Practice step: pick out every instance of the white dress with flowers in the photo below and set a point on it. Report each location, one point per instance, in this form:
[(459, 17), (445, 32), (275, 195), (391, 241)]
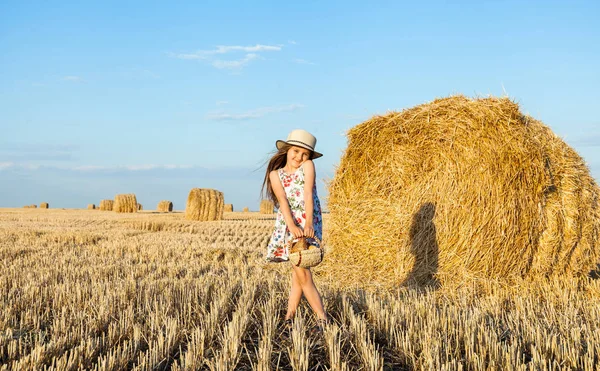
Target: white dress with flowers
[(277, 250)]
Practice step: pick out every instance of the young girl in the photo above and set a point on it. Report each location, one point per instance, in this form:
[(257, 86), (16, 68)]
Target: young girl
[(290, 184)]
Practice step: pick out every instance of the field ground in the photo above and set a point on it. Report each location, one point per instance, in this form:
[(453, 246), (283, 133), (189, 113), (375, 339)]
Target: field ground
[(87, 289)]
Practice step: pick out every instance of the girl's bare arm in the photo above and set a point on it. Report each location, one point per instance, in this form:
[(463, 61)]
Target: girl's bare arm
[(309, 182)]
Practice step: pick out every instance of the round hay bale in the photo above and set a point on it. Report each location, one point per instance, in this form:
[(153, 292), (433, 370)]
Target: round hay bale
[(44, 205), (91, 207), (228, 208), (245, 209), (125, 203), (267, 207), (459, 188), (204, 205), (106, 205), (164, 206)]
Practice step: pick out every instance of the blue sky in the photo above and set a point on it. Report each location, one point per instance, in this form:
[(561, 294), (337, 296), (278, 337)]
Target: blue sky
[(156, 98)]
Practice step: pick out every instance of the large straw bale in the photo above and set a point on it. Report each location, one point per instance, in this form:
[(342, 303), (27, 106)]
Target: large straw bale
[(459, 188), (164, 206), (267, 207), (106, 205), (204, 205), (91, 207), (44, 205), (125, 203), (228, 208)]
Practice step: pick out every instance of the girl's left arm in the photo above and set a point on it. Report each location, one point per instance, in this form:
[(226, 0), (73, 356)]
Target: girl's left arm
[(309, 182)]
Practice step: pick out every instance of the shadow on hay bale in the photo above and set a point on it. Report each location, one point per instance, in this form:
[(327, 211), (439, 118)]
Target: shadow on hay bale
[(507, 198)]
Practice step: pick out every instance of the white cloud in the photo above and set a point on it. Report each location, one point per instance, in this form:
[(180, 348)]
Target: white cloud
[(210, 55), (234, 64), (292, 42), (252, 114), (303, 61), (6, 165)]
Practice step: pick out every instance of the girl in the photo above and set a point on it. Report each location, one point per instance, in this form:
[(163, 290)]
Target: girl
[(290, 184)]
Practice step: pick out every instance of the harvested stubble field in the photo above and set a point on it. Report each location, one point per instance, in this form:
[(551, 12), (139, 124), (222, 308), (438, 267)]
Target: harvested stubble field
[(105, 291)]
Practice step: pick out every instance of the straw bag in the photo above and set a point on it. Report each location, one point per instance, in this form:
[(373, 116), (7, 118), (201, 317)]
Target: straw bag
[(303, 254)]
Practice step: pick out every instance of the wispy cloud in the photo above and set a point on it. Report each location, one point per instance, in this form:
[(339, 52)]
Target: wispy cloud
[(252, 114), (222, 102), (235, 64), (24, 152), (292, 42), (6, 165), (303, 61), (128, 167), (251, 53), (73, 78)]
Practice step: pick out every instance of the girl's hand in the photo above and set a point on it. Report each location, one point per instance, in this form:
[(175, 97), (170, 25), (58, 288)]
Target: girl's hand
[(296, 231), (309, 231)]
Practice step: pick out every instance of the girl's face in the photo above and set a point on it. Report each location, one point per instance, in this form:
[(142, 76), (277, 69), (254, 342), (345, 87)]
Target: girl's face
[(297, 155)]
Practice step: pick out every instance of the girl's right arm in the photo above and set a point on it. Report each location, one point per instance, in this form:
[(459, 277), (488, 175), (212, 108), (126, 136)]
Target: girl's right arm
[(284, 205)]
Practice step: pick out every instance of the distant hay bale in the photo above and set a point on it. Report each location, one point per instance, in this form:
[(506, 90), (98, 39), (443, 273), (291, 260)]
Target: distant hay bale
[(204, 205), (267, 207), (125, 203), (91, 207), (245, 209), (459, 188), (164, 207), (106, 205), (228, 208), (44, 205), (140, 207)]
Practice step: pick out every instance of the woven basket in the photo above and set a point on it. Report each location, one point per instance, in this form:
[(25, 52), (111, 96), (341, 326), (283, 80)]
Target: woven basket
[(304, 255)]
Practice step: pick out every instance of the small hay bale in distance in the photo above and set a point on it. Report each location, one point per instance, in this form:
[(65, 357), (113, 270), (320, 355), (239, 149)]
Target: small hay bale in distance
[(267, 207), (204, 205), (228, 208), (106, 205), (91, 207), (140, 207), (459, 188), (125, 203), (44, 205), (164, 206)]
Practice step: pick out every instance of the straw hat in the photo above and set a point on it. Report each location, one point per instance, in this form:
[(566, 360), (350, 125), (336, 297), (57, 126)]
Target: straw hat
[(300, 138)]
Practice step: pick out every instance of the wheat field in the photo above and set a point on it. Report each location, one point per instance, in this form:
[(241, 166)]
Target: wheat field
[(97, 290)]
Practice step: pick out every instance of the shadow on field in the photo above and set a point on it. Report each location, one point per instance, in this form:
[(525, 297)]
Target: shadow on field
[(424, 247)]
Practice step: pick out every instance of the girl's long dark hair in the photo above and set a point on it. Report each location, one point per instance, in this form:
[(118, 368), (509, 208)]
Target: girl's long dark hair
[(276, 162)]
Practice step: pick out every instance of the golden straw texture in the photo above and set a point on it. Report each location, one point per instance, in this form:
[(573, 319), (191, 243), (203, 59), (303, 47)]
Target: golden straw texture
[(106, 205), (164, 206), (267, 207), (459, 187), (228, 208), (204, 205), (125, 203), (91, 207)]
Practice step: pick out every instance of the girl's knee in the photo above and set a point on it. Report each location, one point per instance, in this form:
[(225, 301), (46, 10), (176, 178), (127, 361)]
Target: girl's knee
[(304, 276)]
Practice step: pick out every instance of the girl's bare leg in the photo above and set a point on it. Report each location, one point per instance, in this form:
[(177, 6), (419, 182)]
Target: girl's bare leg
[(295, 296), (310, 291)]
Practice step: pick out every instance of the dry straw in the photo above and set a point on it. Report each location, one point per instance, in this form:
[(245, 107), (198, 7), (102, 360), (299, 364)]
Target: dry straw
[(91, 207), (164, 206), (228, 208), (245, 209), (125, 203), (106, 205), (459, 187), (267, 207), (44, 205), (204, 205)]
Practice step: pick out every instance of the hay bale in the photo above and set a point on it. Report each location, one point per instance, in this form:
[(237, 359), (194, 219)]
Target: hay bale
[(228, 208), (91, 207), (140, 207), (245, 209), (267, 207), (204, 205), (106, 205), (44, 205), (164, 206), (459, 187), (125, 203)]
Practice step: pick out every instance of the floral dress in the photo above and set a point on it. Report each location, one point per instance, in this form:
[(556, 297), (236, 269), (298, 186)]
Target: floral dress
[(277, 250)]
